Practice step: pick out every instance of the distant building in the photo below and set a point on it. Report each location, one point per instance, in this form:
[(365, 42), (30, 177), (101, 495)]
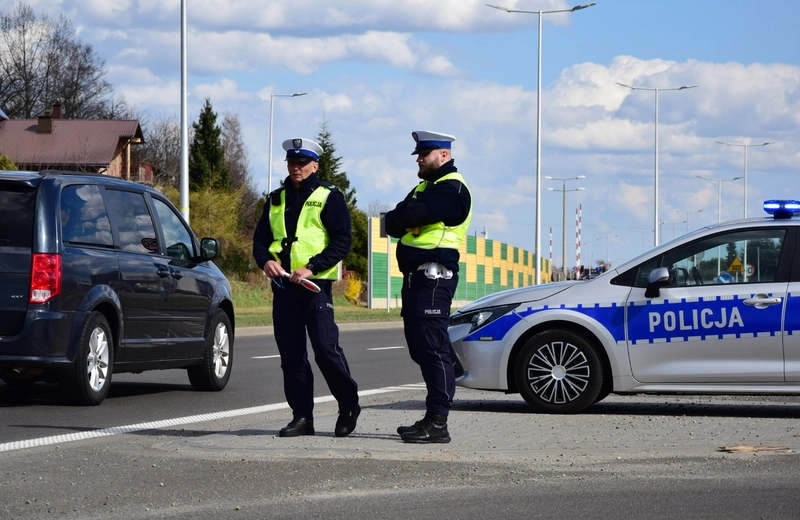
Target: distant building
[(53, 143)]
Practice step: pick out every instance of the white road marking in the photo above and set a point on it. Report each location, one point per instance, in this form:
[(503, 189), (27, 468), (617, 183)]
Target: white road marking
[(384, 348), (267, 357), (105, 432)]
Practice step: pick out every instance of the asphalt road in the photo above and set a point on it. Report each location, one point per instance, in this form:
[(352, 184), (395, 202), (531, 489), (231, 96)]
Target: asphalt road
[(377, 358), (643, 457)]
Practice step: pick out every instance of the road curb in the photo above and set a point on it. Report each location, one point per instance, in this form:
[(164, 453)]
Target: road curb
[(366, 325)]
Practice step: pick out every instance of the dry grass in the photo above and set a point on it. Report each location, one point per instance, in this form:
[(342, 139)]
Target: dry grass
[(253, 302)]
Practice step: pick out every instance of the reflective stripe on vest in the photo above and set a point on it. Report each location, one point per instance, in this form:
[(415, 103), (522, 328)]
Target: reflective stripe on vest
[(436, 235), (311, 235)]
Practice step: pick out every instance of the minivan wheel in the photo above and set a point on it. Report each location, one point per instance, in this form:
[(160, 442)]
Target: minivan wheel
[(215, 370), (89, 379), (559, 372)]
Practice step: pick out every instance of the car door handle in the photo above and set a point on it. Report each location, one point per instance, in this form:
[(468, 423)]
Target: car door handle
[(762, 301), (163, 272), (177, 274)]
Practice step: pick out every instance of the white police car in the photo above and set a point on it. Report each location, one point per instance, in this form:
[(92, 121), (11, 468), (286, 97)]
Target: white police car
[(716, 311)]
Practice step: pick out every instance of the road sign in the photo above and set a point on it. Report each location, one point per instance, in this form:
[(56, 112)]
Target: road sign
[(748, 272), (736, 266)]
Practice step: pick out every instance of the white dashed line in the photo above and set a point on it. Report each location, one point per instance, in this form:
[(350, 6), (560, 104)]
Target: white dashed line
[(132, 428)]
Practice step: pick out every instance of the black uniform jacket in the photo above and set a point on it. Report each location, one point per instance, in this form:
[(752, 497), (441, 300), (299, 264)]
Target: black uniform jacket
[(335, 217), (448, 202)]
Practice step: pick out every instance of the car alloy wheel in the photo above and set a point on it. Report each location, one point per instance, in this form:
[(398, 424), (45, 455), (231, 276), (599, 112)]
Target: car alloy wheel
[(89, 379), (213, 373), (221, 350), (558, 372)]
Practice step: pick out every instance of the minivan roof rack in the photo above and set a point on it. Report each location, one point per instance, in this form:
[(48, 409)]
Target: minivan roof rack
[(45, 173)]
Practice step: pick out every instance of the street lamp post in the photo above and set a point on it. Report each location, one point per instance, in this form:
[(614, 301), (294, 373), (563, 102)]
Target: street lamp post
[(642, 231), (564, 191), (655, 202), (687, 216), (271, 111), (538, 233), (719, 192), (608, 257), (745, 146)]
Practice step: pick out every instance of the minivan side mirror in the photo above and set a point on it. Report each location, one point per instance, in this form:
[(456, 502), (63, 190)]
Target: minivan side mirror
[(659, 277), (209, 248)]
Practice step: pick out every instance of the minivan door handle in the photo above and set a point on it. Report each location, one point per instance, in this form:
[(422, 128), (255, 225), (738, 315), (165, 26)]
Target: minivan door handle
[(762, 301), (177, 274), (163, 272)]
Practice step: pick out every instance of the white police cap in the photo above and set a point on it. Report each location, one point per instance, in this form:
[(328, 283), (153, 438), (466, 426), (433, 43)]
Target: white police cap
[(300, 149), (427, 141)]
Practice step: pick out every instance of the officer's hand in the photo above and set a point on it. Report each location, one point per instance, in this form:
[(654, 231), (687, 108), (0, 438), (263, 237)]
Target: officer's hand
[(300, 274), (273, 269)]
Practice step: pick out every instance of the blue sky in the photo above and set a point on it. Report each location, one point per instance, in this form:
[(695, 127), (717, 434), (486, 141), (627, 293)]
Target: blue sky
[(377, 70)]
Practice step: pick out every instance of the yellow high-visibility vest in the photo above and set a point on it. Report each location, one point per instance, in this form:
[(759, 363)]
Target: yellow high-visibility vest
[(311, 235), (436, 235)]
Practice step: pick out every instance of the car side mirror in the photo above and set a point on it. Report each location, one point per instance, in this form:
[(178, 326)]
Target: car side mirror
[(659, 277), (209, 248)]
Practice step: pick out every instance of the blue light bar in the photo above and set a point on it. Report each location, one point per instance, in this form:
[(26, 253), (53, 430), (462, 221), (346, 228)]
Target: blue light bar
[(781, 209)]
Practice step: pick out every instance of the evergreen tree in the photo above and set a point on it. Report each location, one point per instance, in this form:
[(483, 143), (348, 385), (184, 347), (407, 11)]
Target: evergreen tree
[(207, 166), (329, 164)]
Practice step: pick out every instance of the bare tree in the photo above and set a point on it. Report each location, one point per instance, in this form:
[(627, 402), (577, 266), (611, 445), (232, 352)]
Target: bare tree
[(162, 150), (375, 208), (42, 62), (238, 163)]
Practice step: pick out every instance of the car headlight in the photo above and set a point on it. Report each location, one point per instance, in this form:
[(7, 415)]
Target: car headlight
[(482, 317)]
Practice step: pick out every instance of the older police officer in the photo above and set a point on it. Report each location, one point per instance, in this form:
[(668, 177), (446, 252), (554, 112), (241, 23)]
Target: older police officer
[(305, 231), (431, 224)]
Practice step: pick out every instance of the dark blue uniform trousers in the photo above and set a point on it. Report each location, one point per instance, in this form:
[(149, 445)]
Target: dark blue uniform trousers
[(426, 315), (296, 310)]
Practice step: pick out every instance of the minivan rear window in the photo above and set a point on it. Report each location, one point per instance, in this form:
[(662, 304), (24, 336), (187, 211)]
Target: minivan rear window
[(84, 219), (17, 205)]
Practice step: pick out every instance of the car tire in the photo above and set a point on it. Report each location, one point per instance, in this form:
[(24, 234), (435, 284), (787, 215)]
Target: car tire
[(215, 370), (88, 381), (558, 371)]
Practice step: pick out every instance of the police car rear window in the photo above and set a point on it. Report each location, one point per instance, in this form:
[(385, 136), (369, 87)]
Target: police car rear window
[(17, 205)]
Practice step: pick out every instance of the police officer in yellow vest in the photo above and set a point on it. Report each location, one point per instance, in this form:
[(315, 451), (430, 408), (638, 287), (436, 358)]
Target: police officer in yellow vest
[(431, 224), (305, 231)]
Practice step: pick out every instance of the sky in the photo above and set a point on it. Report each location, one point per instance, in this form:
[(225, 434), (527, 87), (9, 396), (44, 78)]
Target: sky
[(377, 70)]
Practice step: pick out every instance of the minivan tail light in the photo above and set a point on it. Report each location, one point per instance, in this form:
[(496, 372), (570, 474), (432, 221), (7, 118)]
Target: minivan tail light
[(45, 277)]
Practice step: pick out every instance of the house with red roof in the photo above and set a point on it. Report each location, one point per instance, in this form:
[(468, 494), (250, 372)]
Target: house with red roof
[(54, 143)]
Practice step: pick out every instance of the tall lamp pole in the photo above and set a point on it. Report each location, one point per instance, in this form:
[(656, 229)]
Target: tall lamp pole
[(655, 203), (608, 256), (564, 191), (745, 146), (271, 112), (687, 216), (719, 192), (538, 234), (184, 164)]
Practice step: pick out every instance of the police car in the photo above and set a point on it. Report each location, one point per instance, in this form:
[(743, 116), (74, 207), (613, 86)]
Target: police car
[(716, 311)]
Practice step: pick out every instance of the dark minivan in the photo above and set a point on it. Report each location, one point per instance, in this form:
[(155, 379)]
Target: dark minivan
[(100, 275)]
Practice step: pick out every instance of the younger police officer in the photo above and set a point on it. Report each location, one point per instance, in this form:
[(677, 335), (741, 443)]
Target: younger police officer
[(305, 230), (431, 223)]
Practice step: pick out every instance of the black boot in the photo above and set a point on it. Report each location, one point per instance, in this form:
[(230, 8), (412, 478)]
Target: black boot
[(346, 422), (299, 426), (432, 428)]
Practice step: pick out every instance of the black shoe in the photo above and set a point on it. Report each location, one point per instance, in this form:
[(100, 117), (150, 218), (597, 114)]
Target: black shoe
[(408, 429), (432, 428), (299, 426), (346, 422)]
